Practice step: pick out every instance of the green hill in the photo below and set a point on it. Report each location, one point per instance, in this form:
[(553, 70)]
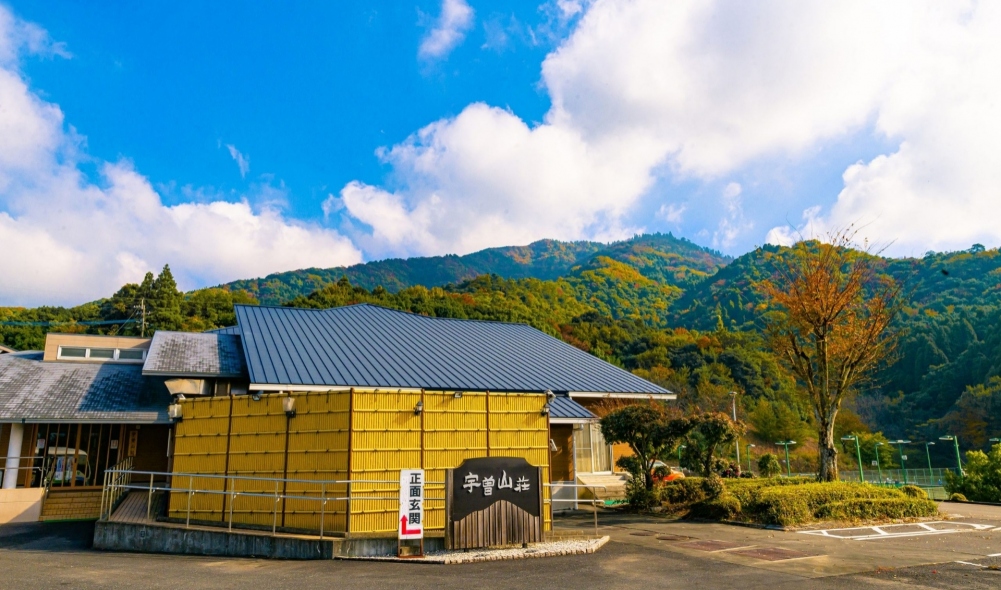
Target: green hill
[(678, 314), (660, 257)]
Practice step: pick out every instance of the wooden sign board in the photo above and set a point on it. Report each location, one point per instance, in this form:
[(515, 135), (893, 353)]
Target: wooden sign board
[(133, 443), (492, 502)]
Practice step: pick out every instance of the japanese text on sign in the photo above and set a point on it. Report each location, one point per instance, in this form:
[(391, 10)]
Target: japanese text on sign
[(487, 483), (411, 504)]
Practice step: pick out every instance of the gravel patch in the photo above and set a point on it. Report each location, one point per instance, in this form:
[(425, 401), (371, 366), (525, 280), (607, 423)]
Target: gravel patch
[(549, 549)]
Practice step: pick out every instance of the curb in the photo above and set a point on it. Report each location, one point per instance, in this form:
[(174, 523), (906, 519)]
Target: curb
[(457, 558)]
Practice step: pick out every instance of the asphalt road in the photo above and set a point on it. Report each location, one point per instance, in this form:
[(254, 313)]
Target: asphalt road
[(57, 556)]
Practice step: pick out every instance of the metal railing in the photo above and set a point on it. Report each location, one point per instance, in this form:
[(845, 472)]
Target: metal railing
[(115, 480), (21, 467), (575, 500), (122, 479), (119, 482)]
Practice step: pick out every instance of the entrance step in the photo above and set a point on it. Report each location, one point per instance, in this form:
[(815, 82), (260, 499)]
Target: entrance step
[(71, 504), (614, 485)]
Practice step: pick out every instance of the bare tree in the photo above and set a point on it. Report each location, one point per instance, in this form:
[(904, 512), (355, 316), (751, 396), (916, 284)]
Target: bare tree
[(832, 325)]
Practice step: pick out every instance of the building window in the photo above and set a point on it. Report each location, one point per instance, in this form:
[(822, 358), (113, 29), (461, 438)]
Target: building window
[(131, 354), (102, 353), (121, 355), (593, 454), (71, 455)]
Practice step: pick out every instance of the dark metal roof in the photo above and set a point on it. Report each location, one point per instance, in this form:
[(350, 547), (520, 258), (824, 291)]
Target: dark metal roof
[(562, 407), (367, 345), (37, 391), (233, 330), (195, 355)]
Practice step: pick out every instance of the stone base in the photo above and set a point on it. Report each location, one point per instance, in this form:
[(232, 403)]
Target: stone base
[(167, 538)]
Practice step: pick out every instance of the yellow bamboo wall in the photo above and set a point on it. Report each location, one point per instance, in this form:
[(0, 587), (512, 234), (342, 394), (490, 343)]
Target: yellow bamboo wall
[(200, 447), (383, 433), (317, 450)]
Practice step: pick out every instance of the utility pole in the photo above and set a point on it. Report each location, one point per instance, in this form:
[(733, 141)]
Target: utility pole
[(142, 306)]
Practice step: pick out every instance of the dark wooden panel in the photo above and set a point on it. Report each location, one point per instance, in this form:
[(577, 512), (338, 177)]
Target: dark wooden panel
[(501, 523)]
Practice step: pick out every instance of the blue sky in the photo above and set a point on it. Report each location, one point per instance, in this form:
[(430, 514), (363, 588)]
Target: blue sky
[(232, 140), (308, 91)]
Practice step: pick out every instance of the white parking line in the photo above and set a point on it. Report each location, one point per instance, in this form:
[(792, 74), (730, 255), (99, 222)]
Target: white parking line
[(887, 531), (994, 555), (973, 564)]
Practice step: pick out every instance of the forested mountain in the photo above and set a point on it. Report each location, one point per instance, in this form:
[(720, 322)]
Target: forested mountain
[(659, 257), (677, 314)]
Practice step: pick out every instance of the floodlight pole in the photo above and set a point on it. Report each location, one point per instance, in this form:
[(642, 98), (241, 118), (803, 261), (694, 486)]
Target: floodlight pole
[(928, 455), (878, 468), (858, 453), (679, 454), (733, 396), (786, 445), (748, 453), (955, 442), (903, 463)]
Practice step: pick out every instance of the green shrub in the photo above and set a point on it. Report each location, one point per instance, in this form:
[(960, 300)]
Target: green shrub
[(914, 492), (723, 507), (713, 486), (638, 497), (768, 465), (981, 481), (877, 508), (794, 504), (957, 497), (784, 510), (683, 491)]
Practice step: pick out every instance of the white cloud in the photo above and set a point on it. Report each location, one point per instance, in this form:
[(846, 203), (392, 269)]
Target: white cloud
[(66, 240), (693, 91), (242, 161), (671, 212), (449, 30), (939, 190), (733, 222), (486, 178)]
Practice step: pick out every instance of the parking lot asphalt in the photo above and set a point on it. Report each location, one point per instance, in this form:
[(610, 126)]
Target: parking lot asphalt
[(688, 555)]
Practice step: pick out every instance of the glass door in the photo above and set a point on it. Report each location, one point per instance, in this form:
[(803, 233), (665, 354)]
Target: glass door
[(601, 453)]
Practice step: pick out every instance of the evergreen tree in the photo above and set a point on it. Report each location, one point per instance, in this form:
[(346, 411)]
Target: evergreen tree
[(166, 302)]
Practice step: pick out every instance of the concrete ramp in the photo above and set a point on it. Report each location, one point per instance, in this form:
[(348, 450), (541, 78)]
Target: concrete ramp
[(21, 505)]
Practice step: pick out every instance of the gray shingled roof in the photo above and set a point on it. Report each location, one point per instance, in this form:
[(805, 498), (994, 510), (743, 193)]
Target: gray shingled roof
[(371, 346), (195, 355), (38, 391), (563, 407)]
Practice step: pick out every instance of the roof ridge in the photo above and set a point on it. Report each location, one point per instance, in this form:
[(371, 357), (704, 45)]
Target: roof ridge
[(385, 308)]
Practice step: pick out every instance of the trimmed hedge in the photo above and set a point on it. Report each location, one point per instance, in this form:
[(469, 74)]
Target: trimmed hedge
[(793, 501), (877, 508), (723, 507)]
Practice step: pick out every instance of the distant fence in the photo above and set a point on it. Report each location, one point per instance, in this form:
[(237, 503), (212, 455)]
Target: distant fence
[(918, 477)]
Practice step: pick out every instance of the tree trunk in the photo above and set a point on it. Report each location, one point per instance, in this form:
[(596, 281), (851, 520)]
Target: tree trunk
[(828, 451)]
